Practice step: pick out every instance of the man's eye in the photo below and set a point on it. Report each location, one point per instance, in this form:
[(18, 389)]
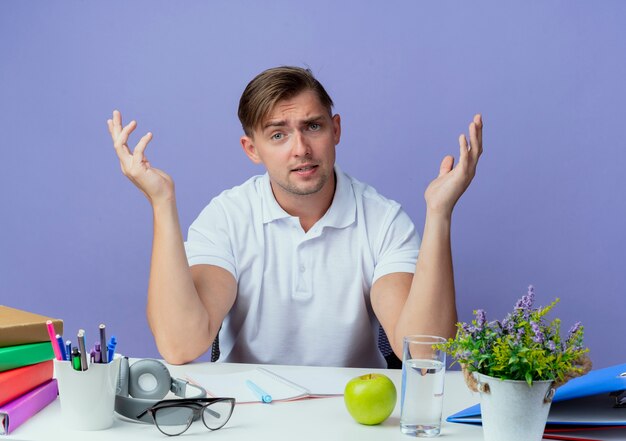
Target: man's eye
[(314, 127), (277, 136)]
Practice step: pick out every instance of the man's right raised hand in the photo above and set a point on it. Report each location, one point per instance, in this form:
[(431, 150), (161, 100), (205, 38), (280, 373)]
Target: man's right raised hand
[(154, 183)]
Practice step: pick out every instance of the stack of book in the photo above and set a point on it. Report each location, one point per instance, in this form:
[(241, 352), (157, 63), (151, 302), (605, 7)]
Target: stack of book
[(26, 367)]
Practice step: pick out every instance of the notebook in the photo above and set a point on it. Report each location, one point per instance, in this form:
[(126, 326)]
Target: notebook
[(19, 327), (16, 382), (18, 411), (283, 383), (586, 433), (12, 357)]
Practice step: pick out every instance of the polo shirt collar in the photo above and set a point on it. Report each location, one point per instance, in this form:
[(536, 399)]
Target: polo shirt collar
[(271, 210), (342, 211), (340, 214)]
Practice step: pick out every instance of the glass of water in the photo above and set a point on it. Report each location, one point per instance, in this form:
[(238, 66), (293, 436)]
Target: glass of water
[(423, 371)]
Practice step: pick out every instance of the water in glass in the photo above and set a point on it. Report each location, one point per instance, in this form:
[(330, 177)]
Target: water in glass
[(422, 397)]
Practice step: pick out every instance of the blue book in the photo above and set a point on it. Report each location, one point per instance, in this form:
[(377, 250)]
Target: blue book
[(584, 401)]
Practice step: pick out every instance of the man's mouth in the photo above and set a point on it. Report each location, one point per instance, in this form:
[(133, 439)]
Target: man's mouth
[(304, 169)]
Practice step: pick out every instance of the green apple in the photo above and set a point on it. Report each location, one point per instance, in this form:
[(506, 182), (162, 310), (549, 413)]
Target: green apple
[(370, 398)]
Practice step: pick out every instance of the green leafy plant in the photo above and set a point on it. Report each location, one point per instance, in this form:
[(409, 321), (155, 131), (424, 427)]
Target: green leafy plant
[(523, 346)]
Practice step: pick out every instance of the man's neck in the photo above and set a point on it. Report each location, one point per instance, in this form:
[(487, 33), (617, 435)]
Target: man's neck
[(308, 208)]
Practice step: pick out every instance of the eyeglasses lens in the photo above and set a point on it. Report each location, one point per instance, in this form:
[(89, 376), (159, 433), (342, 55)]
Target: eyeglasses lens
[(173, 420), (217, 414)]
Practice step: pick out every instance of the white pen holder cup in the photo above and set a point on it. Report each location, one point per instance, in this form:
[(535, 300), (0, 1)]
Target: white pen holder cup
[(87, 397)]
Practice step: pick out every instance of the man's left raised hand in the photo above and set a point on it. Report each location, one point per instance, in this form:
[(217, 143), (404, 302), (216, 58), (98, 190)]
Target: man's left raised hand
[(444, 191)]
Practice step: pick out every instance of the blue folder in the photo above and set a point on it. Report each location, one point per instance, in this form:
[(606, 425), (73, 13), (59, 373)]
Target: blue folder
[(582, 401)]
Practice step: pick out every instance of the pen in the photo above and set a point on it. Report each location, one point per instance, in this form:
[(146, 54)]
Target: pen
[(76, 359), (61, 347), (263, 396), (97, 353), (111, 349), (53, 340), (81, 348), (103, 342), (68, 350)]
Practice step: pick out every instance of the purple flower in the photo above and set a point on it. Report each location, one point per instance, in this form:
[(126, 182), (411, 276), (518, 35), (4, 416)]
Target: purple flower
[(508, 324), (573, 334), (538, 337), (468, 329), (480, 319), (573, 330), (526, 302), (496, 326), (524, 331)]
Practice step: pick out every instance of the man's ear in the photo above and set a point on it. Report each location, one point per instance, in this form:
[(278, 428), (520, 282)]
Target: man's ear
[(336, 128), (247, 143)]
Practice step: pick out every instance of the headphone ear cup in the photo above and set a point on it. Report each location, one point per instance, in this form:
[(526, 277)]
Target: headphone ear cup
[(122, 382), (142, 376)]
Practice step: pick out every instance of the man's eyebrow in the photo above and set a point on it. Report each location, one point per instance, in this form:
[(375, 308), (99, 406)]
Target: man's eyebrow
[(313, 119), (283, 123), (275, 123)]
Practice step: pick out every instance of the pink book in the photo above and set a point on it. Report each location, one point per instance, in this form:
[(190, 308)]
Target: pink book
[(14, 413)]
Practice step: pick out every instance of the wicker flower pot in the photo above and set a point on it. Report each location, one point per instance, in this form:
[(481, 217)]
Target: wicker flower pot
[(512, 410)]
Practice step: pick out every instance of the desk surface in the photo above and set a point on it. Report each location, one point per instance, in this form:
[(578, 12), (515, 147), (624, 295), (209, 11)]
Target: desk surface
[(311, 419)]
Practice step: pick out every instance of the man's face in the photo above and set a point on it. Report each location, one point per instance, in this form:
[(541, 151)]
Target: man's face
[(296, 143)]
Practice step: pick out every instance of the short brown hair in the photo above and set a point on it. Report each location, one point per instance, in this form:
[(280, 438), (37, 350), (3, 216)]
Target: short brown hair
[(270, 87)]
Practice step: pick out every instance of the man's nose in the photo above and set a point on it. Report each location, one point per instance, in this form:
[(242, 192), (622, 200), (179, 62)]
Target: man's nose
[(301, 146)]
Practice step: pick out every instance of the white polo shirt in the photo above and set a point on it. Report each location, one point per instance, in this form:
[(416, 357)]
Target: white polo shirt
[(303, 298)]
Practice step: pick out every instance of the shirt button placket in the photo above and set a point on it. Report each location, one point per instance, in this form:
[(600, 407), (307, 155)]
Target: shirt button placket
[(302, 288)]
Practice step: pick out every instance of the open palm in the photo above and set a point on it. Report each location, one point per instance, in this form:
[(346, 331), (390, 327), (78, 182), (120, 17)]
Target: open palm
[(444, 191), (154, 183)]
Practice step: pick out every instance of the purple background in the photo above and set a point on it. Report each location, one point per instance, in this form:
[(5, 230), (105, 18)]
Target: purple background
[(547, 206)]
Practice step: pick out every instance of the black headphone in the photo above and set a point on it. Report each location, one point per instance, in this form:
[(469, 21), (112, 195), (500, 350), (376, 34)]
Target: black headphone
[(134, 396)]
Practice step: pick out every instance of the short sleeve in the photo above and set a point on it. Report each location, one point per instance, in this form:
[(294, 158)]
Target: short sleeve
[(208, 239), (398, 244)]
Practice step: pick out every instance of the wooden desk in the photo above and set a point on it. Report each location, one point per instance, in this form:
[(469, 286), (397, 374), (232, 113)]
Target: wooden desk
[(321, 419)]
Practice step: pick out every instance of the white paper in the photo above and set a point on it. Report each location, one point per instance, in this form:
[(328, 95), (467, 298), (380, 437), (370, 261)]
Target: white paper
[(318, 381), (234, 385), (281, 382)]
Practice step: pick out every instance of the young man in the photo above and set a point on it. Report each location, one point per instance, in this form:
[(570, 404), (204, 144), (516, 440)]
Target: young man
[(300, 265)]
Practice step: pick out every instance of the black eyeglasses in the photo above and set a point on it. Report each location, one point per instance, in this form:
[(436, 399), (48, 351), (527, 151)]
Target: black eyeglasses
[(173, 417)]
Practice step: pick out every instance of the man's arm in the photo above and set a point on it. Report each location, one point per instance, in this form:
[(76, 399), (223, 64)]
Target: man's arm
[(185, 306), (424, 303)]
